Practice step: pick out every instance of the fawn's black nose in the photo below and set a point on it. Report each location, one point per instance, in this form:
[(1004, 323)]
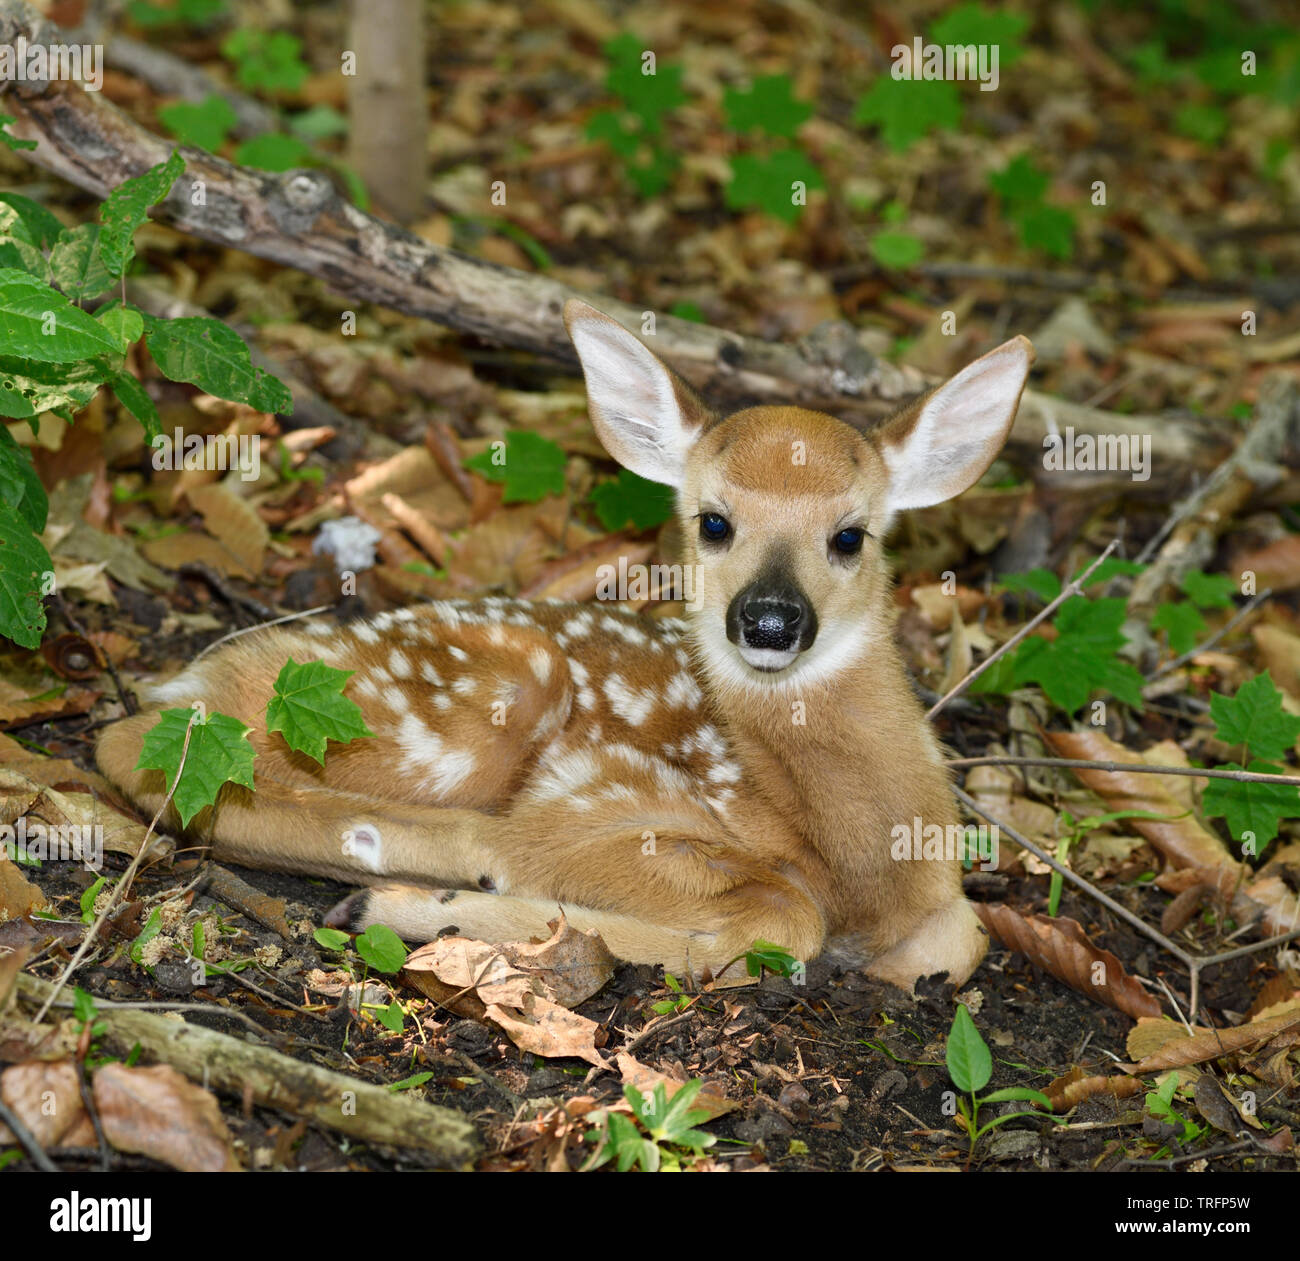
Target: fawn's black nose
[(772, 615)]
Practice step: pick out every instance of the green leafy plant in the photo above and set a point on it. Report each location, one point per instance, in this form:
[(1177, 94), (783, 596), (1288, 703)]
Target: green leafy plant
[(660, 1134), (176, 13), (55, 357), (308, 708), (1021, 186), (905, 110), (1255, 721), (219, 752), (1160, 1104), (88, 898), (766, 954), (529, 466), (680, 1000), (631, 500), (382, 949), (970, 1065), (777, 178), (266, 61), (1182, 622), (633, 129)]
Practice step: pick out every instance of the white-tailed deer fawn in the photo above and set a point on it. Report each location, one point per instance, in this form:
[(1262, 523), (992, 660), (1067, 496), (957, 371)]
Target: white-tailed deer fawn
[(683, 787)]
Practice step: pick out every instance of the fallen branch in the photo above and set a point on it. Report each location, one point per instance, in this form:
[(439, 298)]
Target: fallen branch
[(1189, 538), (272, 1080), (298, 219)]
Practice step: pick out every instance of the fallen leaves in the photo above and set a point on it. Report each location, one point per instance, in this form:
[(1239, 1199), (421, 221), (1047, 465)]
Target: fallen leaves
[(1061, 947), (526, 988)]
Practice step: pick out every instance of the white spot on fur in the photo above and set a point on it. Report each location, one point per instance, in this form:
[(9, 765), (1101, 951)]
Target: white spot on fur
[(682, 690), (399, 664), (396, 700), (429, 674), (366, 634), (464, 686), (540, 661), (459, 653), (631, 705)]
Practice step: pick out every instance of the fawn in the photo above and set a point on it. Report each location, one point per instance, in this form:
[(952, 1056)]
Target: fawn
[(684, 787)]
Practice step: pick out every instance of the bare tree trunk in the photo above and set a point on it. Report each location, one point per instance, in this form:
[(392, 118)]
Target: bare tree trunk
[(388, 144)]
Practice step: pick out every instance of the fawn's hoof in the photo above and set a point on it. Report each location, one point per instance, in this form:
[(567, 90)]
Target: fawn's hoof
[(350, 914)]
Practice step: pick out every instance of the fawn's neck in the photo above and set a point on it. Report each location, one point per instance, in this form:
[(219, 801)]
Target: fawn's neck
[(845, 760)]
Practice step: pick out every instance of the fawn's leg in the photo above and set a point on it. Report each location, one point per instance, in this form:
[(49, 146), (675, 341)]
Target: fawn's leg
[(314, 831), (417, 914)]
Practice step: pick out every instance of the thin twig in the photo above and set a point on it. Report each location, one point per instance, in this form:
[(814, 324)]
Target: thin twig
[(122, 885), (1135, 921), (1071, 589), (26, 1139), (1139, 768), (248, 630), (1229, 625)]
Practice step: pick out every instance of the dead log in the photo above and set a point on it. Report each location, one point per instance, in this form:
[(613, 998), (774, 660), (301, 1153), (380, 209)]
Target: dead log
[(298, 218)]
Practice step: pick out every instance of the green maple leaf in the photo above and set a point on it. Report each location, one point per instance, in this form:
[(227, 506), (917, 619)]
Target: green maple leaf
[(1042, 582), (896, 250), (203, 124), (1255, 718), (768, 182), (219, 752), (1048, 228), (907, 109), (308, 708), (974, 24), (1081, 658), (531, 467), (648, 96), (1020, 182), (1208, 591), (632, 500), (1183, 623), (1252, 811), (1111, 567), (769, 106)]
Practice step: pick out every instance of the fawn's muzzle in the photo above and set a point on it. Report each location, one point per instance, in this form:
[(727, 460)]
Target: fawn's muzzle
[(771, 621)]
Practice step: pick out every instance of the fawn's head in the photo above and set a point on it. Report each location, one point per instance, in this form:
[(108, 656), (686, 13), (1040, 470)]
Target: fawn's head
[(784, 509)]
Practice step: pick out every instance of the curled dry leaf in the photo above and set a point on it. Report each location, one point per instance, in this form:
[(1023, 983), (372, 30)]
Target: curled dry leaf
[(1061, 947), (1185, 842), (18, 896), (465, 975), (1181, 1048), (156, 1112), (1077, 1085)]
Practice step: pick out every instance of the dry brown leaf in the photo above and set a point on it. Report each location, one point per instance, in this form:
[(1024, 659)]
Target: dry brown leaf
[(174, 550), (18, 896), (156, 1112), (547, 1029), (959, 656), (1209, 1044), (233, 522), (46, 1098), (1077, 1085), (17, 707), (1280, 651), (11, 964), (645, 1079), (1277, 565), (1061, 947), (567, 968), (1183, 841)]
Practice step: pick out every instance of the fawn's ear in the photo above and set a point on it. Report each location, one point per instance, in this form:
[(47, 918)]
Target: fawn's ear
[(645, 414), (942, 444)]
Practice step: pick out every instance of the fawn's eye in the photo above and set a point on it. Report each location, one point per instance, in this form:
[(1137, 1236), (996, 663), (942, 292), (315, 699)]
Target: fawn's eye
[(714, 527), (848, 542)]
